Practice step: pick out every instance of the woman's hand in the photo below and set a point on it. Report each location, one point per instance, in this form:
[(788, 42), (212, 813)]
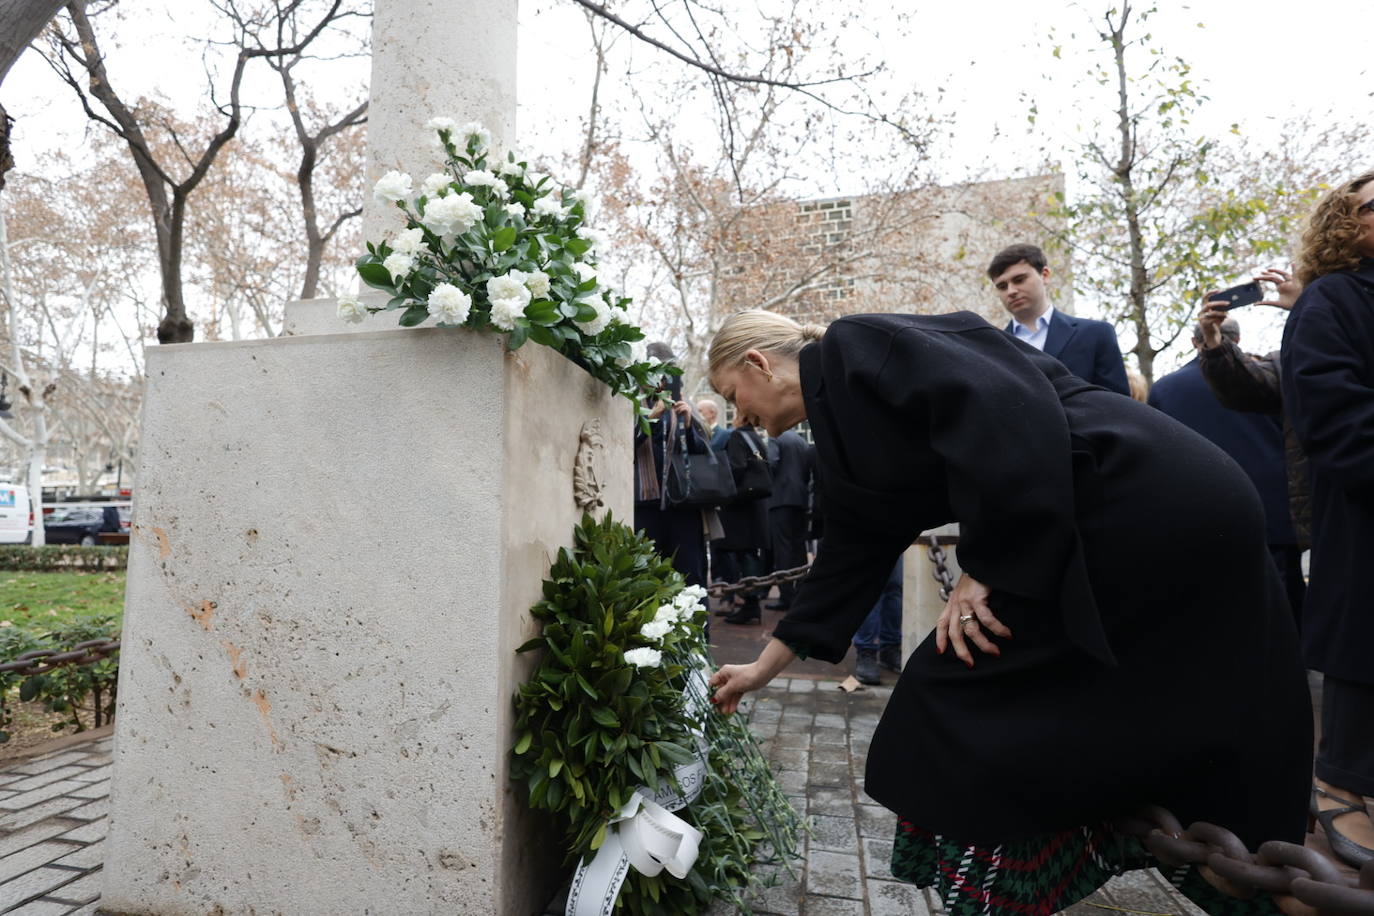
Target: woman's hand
[(683, 410), (1289, 287), (965, 617), (656, 411), (732, 682)]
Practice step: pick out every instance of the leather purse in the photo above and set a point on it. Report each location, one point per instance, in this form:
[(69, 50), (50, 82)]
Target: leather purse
[(755, 481), (702, 480)]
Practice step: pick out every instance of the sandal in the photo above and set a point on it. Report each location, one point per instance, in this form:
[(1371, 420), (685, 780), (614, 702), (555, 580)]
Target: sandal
[(1314, 812), (1346, 849)]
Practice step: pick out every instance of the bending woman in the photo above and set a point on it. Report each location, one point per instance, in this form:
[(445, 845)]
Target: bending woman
[(1119, 637)]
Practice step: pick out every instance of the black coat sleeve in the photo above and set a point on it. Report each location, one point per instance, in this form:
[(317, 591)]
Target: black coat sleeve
[(1108, 367), (1242, 382), (1328, 364), (988, 440)]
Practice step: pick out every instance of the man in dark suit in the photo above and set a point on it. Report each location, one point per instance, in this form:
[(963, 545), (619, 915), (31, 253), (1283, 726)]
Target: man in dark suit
[(1088, 348), (1254, 441), (787, 507)]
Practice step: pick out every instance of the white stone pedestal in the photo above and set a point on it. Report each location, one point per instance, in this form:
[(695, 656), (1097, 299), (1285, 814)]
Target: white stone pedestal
[(921, 601), (338, 538)]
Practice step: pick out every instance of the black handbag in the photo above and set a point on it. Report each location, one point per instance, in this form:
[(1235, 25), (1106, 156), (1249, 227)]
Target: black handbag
[(693, 479), (755, 481)]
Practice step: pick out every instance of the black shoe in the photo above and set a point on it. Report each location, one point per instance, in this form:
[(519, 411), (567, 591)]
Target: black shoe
[(866, 666), (890, 657), (746, 614)]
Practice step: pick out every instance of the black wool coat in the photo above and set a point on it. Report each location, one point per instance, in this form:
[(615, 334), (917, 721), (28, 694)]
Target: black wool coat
[(1328, 392), (745, 521), (1154, 657)]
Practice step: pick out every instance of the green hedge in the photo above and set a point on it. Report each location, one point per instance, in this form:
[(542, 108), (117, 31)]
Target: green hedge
[(81, 694), (62, 557)]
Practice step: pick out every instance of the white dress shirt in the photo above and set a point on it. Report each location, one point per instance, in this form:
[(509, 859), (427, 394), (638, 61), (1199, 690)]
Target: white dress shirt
[(1035, 338)]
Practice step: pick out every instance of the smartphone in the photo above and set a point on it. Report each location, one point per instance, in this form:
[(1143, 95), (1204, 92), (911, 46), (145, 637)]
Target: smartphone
[(1237, 296)]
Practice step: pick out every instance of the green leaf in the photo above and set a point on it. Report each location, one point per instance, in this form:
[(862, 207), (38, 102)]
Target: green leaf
[(524, 743), (603, 716), (503, 238), (578, 247), (375, 275), (516, 339), (555, 768), (414, 315)]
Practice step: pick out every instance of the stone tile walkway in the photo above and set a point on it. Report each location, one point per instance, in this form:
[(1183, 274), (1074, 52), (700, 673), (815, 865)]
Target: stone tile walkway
[(53, 812), (817, 737), (53, 820)]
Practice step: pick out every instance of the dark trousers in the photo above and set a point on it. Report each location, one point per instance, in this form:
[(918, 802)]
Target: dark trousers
[(1288, 558), (750, 563), (883, 625), (787, 526), (677, 534), (1345, 757)]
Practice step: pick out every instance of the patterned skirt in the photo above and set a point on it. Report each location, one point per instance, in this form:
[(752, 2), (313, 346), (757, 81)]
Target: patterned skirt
[(1044, 874)]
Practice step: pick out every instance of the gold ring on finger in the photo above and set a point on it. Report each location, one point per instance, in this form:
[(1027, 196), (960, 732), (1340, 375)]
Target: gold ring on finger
[(965, 618)]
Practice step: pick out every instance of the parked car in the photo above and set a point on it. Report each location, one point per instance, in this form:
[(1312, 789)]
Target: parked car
[(16, 514), (81, 525)]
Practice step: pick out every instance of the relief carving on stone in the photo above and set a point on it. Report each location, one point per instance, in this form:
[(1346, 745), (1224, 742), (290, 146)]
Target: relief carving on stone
[(586, 482)]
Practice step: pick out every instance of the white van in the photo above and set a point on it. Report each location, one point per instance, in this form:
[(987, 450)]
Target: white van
[(16, 514)]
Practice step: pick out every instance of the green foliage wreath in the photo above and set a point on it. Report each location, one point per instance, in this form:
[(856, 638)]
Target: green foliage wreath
[(604, 715)]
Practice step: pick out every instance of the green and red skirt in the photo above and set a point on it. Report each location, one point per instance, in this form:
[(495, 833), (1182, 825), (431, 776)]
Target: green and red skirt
[(1044, 874)]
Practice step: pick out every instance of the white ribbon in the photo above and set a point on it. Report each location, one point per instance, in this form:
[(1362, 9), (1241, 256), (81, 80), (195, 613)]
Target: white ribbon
[(645, 833)]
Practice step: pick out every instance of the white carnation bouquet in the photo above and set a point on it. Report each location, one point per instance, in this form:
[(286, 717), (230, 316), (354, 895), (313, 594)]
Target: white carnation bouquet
[(503, 249)]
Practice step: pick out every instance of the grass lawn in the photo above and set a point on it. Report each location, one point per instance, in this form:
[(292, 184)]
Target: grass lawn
[(41, 601)]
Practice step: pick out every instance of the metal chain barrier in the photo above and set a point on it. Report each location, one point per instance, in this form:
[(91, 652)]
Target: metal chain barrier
[(752, 582), (1302, 881), (41, 661), (941, 572)]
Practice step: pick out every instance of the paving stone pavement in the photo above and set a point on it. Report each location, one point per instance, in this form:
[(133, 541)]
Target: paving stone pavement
[(53, 820), (53, 811)]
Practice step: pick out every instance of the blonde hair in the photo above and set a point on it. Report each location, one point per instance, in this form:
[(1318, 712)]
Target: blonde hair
[(756, 329), (1328, 242)]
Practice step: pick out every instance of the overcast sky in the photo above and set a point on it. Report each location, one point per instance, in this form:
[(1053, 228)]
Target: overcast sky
[(1259, 71)]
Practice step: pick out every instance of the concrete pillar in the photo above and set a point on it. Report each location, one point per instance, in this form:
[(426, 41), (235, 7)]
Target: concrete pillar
[(337, 540), (454, 58), (921, 601)]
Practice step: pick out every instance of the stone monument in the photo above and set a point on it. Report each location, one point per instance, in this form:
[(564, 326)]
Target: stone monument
[(337, 540)]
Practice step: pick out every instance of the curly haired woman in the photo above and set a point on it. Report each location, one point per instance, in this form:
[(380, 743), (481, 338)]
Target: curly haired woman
[(1328, 390)]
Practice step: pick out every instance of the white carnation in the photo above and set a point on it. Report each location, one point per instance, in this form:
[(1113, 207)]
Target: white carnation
[(441, 123), (481, 178), (511, 170), (690, 598), (596, 237), (537, 283), (548, 206), (515, 209), (451, 215), (392, 186), (351, 310), (474, 129), (644, 658), (583, 197), (410, 241), (585, 271), (638, 354), (597, 324), (435, 185), (666, 612), (449, 304), (656, 629), (505, 311), (509, 286), (398, 264)]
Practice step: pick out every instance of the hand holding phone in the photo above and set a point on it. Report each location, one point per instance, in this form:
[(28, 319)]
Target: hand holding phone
[(1235, 297)]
